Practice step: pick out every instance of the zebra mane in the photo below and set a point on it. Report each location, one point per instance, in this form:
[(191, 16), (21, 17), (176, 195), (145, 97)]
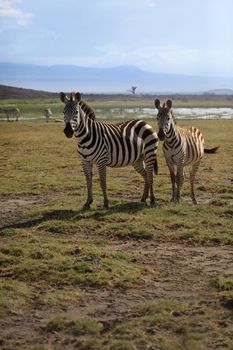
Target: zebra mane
[(173, 117), (89, 112), (87, 109)]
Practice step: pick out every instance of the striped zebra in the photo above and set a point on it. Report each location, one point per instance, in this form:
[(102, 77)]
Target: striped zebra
[(116, 145), (9, 111), (182, 146)]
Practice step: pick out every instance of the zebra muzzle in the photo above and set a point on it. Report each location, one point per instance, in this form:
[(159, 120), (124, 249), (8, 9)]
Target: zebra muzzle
[(161, 134), (68, 131)]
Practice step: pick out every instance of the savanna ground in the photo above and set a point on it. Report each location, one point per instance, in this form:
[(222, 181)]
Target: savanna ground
[(128, 278)]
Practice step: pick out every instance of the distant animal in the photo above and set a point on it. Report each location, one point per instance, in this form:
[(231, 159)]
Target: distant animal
[(116, 145), (10, 111), (47, 113), (182, 146)]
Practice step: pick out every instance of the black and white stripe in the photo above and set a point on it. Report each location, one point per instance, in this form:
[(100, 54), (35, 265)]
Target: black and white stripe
[(181, 147), (116, 145)]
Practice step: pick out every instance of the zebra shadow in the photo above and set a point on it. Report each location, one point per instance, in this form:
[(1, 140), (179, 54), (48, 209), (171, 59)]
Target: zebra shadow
[(129, 207), (76, 215), (63, 214)]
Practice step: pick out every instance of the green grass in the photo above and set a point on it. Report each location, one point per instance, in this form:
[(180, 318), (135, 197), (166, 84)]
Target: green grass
[(223, 283), (35, 108), (59, 253), (78, 327)]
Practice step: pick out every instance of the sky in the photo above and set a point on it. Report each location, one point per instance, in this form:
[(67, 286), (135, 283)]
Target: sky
[(192, 37)]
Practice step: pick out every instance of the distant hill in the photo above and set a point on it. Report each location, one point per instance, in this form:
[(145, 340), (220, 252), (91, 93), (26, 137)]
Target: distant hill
[(10, 92), (109, 80), (220, 92)]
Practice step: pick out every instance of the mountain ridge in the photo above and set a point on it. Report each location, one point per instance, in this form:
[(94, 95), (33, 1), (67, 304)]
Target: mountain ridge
[(116, 79)]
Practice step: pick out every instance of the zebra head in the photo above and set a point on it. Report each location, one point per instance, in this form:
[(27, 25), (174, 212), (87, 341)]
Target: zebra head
[(71, 112), (164, 118)]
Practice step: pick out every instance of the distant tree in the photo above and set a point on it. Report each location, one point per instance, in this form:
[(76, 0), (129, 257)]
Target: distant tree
[(133, 89)]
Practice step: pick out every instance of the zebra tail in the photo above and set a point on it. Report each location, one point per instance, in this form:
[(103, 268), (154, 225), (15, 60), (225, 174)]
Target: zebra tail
[(156, 168), (211, 150)]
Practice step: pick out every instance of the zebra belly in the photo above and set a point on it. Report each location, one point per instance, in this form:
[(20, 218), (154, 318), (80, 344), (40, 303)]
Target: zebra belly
[(123, 153), (121, 164)]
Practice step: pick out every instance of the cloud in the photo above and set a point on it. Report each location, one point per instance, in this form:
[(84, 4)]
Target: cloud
[(10, 15), (152, 3)]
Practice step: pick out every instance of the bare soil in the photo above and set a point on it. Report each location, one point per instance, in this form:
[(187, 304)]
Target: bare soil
[(183, 273)]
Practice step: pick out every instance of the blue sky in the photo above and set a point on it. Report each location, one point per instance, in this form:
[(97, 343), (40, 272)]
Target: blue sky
[(177, 36)]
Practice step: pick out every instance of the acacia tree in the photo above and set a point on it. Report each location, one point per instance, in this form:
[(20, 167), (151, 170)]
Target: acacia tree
[(133, 89)]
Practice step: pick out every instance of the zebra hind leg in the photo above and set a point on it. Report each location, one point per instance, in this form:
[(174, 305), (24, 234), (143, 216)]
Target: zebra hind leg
[(193, 172), (139, 167), (179, 181), (151, 187)]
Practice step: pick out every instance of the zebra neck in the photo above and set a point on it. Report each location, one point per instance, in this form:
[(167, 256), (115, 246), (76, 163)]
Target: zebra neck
[(172, 135), (84, 129)]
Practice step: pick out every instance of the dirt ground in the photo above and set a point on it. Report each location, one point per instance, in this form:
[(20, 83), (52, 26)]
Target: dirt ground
[(184, 273)]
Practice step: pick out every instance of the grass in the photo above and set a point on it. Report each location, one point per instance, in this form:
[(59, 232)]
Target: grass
[(168, 324), (223, 283), (60, 254)]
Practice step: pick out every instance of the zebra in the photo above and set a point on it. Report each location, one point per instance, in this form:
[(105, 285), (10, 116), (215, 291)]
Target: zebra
[(182, 146), (10, 110), (116, 145), (47, 113)]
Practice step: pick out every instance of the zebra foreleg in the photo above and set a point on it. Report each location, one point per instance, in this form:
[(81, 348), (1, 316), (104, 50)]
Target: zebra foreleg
[(17, 117), (193, 172), (173, 181), (150, 183), (102, 176), (87, 168)]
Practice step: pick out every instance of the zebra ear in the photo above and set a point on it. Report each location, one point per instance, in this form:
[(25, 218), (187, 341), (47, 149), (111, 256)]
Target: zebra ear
[(63, 97), (78, 97), (157, 103), (169, 103)]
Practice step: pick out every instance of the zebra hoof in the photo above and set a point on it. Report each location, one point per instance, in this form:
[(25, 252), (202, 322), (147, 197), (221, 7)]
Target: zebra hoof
[(106, 206), (86, 206), (177, 200), (194, 201), (153, 202)]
